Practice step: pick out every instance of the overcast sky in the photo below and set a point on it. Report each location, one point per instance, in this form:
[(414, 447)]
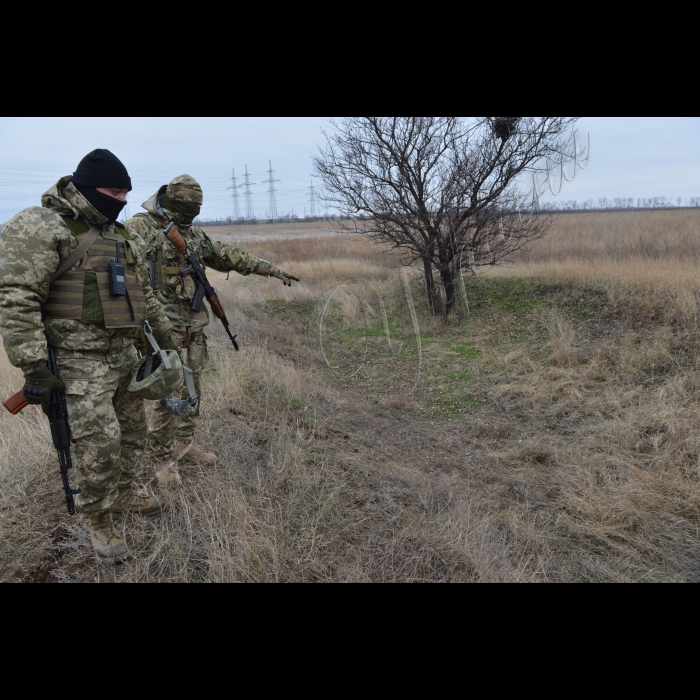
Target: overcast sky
[(631, 156)]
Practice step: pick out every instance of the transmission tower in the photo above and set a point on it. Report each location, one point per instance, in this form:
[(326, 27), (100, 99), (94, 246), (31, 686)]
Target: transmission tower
[(272, 192), (312, 200), (236, 196), (250, 214)]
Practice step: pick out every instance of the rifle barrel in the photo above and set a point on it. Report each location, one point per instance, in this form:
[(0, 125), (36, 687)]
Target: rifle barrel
[(196, 269), (60, 432), (224, 321)]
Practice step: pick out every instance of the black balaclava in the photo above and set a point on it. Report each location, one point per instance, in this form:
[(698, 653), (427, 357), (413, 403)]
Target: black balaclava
[(101, 168), (108, 206)]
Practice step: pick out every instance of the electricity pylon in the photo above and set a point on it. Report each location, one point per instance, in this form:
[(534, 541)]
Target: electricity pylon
[(312, 200), (250, 214), (272, 192), (236, 196)]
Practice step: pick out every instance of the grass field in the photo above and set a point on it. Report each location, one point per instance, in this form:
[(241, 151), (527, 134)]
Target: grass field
[(549, 433)]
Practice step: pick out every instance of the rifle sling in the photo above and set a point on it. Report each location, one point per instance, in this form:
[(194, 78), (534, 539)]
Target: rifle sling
[(189, 381), (75, 257), (148, 331)]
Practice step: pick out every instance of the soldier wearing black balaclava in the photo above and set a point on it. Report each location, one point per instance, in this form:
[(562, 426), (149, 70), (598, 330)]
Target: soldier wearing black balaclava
[(49, 299)]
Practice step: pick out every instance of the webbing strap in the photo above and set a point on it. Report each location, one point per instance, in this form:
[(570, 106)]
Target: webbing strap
[(189, 380), (131, 307), (163, 355), (77, 254)]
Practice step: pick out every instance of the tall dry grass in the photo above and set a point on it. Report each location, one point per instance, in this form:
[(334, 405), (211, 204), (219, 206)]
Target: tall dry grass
[(288, 231), (647, 263), (610, 444), (619, 236), (321, 262), (613, 402)]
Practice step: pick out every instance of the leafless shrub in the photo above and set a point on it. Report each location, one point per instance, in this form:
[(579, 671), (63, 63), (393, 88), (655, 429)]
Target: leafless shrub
[(443, 191)]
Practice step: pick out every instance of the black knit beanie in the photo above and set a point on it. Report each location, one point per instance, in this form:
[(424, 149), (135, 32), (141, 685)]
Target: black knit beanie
[(101, 169)]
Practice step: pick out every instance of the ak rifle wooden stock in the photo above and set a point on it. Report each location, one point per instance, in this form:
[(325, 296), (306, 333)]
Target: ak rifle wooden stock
[(16, 404)]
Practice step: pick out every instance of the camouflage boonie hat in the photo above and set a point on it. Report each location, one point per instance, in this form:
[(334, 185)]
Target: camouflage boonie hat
[(185, 188), (160, 382)]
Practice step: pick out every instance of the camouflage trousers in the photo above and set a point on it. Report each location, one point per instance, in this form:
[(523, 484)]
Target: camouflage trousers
[(108, 426), (168, 429)]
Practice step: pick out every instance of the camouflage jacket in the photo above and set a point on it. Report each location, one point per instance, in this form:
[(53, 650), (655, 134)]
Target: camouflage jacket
[(174, 292), (32, 247)]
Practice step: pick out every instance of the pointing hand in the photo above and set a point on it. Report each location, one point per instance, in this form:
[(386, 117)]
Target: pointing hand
[(286, 278)]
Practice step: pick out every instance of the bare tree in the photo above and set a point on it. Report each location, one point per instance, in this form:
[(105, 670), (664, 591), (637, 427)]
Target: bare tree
[(449, 192)]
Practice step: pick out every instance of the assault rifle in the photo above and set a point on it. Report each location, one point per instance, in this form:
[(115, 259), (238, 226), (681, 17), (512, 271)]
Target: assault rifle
[(203, 288), (60, 430)]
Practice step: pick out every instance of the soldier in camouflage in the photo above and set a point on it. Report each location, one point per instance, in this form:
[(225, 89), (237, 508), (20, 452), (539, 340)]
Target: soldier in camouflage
[(172, 438), (92, 333)]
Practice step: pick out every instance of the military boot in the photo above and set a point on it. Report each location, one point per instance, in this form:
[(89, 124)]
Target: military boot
[(137, 501), (193, 455), (108, 545)]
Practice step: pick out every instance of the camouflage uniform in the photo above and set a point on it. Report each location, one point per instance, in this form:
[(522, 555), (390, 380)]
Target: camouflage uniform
[(175, 294), (108, 425)]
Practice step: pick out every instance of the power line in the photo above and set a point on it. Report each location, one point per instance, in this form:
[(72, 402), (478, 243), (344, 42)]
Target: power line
[(250, 214), (272, 192), (236, 196)]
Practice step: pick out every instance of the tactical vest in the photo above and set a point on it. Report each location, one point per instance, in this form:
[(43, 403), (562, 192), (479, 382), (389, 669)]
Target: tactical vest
[(166, 277), (84, 294)]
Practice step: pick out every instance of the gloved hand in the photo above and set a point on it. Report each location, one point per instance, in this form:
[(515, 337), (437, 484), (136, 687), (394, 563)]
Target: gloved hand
[(38, 386), (166, 343), (285, 277)]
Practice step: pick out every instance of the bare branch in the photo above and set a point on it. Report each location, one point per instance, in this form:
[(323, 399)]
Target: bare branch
[(444, 190)]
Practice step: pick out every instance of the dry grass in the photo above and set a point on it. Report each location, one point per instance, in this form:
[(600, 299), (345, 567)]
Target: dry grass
[(620, 236), (610, 420), (648, 263), (321, 261), (574, 453), (292, 498), (286, 231)]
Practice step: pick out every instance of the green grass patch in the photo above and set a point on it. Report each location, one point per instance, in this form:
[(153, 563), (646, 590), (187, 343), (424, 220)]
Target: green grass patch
[(470, 350), (504, 295), (279, 307)]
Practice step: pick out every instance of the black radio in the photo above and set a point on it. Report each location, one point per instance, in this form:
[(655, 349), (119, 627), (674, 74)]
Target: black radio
[(117, 276)]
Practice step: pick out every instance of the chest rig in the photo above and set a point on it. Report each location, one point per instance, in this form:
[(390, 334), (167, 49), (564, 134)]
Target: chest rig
[(85, 294), (168, 266)]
